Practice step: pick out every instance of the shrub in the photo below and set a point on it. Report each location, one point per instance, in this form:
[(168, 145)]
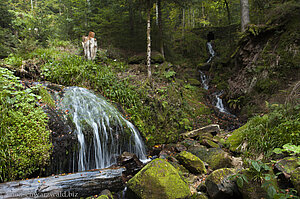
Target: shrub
[(24, 138)]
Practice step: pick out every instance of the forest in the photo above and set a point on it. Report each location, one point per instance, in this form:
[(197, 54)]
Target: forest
[(141, 99)]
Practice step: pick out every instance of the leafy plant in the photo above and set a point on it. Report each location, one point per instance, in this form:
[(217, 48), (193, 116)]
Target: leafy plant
[(24, 137), (290, 148)]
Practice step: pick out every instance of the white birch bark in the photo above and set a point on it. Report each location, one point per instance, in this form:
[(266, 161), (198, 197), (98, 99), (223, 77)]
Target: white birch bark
[(149, 41), (245, 18)]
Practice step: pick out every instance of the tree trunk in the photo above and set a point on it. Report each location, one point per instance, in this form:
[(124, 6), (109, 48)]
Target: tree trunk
[(245, 18), (228, 12), (183, 21), (82, 184), (149, 40), (160, 28), (31, 2)]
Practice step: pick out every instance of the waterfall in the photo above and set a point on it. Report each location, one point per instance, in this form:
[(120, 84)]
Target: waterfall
[(218, 103), (102, 132), (211, 52)]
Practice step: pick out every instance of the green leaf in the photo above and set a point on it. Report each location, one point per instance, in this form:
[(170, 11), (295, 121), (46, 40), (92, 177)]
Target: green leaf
[(255, 165), (240, 182)]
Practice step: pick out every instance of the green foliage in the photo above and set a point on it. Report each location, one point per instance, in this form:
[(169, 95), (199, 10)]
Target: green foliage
[(273, 130), (169, 74), (24, 142), (290, 148)]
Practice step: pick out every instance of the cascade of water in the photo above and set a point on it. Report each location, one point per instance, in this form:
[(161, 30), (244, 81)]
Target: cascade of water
[(203, 80), (219, 103), (211, 52), (102, 132)]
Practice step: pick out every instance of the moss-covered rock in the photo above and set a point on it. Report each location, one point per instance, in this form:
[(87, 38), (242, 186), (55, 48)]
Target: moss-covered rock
[(287, 165), (216, 158), (235, 140), (209, 143), (137, 59), (295, 178), (191, 162), (219, 186), (158, 179)]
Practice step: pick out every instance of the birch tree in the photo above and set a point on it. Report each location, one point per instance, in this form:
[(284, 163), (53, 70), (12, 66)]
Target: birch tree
[(245, 18)]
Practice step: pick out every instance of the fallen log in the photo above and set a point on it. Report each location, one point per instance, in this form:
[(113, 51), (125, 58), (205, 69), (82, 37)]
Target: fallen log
[(75, 185)]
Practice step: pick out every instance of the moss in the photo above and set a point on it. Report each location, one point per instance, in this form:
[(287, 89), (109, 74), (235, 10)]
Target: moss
[(103, 197), (295, 179), (219, 175), (211, 143), (158, 179), (194, 82), (219, 160), (191, 162), (288, 164), (235, 140)]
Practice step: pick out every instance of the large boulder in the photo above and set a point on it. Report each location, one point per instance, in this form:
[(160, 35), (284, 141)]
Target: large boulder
[(191, 162), (220, 187), (158, 179), (216, 158)]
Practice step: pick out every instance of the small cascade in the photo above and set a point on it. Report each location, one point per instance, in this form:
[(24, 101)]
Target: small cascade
[(204, 80), (218, 103), (102, 132), (211, 52)]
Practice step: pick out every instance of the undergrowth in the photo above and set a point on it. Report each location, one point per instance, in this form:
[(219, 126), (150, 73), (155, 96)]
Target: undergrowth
[(24, 137)]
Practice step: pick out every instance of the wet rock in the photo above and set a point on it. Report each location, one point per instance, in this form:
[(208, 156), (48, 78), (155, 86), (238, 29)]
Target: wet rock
[(216, 158), (220, 187), (191, 162), (189, 142), (213, 129), (131, 163), (158, 179), (288, 165)]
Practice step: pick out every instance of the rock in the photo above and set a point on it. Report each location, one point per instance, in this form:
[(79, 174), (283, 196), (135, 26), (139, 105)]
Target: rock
[(216, 158), (235, 140), (137, 59), (199, 195), (189, 142), (158, 179), (219, 187), (180, 148), (295, 179), (191, 162), (288, 165), (131, 163), (210, 144), (106, 193), (212, 128)]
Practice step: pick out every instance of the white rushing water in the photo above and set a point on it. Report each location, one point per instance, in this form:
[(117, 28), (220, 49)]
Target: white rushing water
[(102, 132), (211, 52)]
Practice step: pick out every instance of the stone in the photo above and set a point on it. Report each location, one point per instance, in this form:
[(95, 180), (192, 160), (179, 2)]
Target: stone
[(210, 144), (287, 165), (216, 158), (106, 193), (295, 179), (212, 128), (131, 163), (158, 179), (220, 187), (191, 162)]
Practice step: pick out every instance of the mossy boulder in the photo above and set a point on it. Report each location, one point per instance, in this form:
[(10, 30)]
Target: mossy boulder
[(158, 179), (209, 143), (219, 186), (254, 189), (191, 162), (295, 179), (216, 158), (236, 139), (287, 165)]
